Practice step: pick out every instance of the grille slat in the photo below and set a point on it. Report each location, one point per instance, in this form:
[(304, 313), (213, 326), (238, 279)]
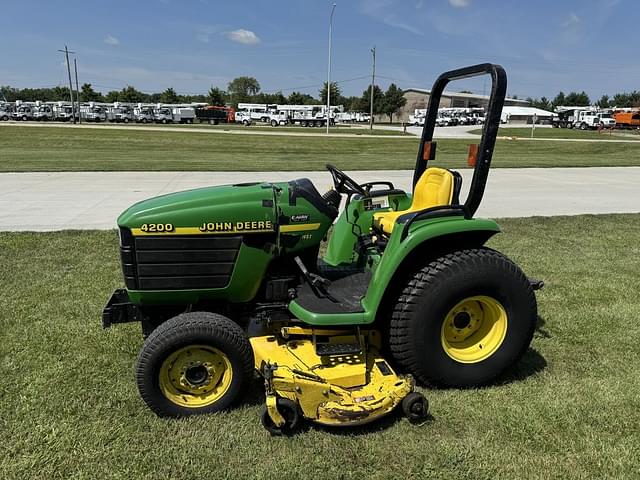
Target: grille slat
[(177, 262)]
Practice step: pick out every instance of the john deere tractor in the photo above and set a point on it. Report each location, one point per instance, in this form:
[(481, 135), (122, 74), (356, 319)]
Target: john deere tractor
[(228, 282)]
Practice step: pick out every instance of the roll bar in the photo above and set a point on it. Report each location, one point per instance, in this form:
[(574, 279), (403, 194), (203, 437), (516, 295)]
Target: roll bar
[(489, 130)]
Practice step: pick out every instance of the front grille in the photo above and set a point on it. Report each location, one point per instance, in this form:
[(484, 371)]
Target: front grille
[(177, 262)]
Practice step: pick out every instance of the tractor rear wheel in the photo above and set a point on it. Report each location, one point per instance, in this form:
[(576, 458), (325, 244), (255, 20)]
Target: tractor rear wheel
[(197, 362), (463, 319)]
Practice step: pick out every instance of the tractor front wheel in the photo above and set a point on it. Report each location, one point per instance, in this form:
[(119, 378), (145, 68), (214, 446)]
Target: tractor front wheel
[(196, 362), (463, 319)]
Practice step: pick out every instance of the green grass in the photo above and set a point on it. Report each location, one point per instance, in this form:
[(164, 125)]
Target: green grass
[(27, 149), (358, 129), (69, 407), (566, 133)]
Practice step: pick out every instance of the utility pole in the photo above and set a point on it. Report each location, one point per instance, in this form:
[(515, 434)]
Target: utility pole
[(333, 7), (66, 56), (75, 67), (373, 81)]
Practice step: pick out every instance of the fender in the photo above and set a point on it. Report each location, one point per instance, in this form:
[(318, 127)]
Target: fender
[(419, 245)]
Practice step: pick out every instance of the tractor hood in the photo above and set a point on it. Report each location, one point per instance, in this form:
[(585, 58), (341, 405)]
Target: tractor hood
[(293, 208), (224, 209)]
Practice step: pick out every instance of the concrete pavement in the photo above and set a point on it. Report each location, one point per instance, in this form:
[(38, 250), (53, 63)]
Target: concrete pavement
[(93, 200)]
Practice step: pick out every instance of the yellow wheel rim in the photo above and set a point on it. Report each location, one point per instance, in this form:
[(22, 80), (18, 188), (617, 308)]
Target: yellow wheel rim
[(195, 376), (474, 329)]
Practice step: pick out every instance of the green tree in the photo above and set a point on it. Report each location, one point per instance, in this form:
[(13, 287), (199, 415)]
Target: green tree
[(336, 94), (112, 96), (542, 103), (216, 96), (559, 100), (297, 98), (169, 96), (88, 94), (130, 95), (364, 104), (242, 88), (604, 101), (393, 101), (578, 99), (270, 98)]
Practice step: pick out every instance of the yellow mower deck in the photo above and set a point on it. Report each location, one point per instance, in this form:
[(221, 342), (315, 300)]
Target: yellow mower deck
[(340, 389)]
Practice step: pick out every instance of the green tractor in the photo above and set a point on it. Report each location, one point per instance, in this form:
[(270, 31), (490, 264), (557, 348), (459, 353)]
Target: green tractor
[(228, 282)]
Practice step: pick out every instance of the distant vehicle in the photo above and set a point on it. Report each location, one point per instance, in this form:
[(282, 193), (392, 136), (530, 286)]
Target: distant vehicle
[(145, 115), (43, 113), (63, 112), (417, 120), (244, 118), (258, 112), (183, 114), (311, 115), (567, 116), (93, 113), (23, 112), (121, 114), (163, 115), (5, 111), (627, 118), (593, 119), (215, 114)]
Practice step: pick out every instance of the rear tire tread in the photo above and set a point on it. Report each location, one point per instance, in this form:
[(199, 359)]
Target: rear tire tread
[(400, 335)]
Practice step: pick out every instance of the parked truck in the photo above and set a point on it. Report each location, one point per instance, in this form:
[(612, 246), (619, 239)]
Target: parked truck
[(163, 115), (43, 112), (23, 112), (183, 114), (120, 113), (6, 110), (215, 114), (93, 112), (581, 117), (63, 112), (144, 114), (627, 118), (588, 119)]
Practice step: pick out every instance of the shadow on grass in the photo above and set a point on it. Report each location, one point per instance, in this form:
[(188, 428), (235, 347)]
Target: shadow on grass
[(529, 365)]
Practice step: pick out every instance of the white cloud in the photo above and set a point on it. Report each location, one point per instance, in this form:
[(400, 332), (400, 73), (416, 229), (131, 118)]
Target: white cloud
[(572, 20), (392, 21), (459, 3), (111, 40), (246, 37)]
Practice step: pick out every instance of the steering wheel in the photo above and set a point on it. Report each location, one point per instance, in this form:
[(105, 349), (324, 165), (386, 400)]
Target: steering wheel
[(344, 183)]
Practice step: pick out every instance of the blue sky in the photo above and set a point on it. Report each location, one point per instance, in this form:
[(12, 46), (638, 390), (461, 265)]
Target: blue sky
[(545, 45)]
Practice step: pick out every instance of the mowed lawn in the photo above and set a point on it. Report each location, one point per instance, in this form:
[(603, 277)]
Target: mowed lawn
[(565, 133), (69, 406), (64, 149)]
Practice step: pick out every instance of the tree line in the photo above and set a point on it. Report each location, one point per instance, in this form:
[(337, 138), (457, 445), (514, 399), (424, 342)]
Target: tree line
[(581, 99), (239, 90)]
